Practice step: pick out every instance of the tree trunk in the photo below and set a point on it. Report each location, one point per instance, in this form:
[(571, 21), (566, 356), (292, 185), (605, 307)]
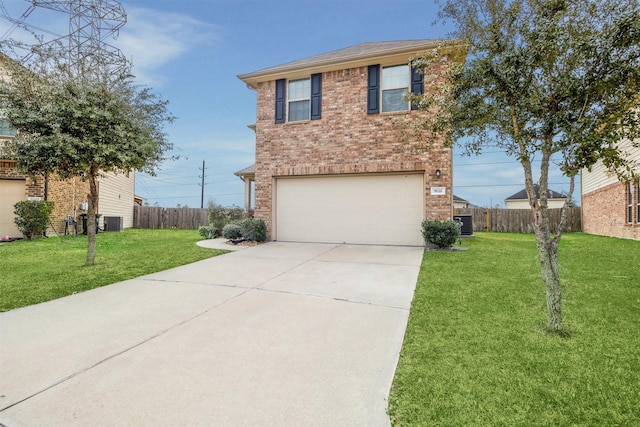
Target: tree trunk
[(92, 198), (548, 256)]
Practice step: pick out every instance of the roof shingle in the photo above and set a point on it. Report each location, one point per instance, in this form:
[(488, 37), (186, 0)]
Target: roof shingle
[(522, 194)]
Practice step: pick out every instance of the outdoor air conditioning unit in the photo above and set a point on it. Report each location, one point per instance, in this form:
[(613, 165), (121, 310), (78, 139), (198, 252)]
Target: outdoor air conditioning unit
[(466, 224), (112, 223)]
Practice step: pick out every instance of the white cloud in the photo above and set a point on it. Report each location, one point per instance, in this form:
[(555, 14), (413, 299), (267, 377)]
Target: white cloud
[(152, 39)]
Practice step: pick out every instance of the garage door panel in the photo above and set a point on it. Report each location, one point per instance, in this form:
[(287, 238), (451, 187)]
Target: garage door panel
[(11, 192), (369, 209)]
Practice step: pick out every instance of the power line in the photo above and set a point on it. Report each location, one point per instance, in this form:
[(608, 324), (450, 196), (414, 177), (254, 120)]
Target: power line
[(503, 185), (193, 197), (515, 162)]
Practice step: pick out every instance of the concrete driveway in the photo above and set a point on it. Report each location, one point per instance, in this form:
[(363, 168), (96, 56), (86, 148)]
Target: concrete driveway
[(281, 334)]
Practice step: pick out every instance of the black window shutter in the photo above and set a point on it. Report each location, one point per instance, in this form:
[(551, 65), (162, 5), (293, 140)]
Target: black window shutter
[(280, 95), (316, 96), (373, 89), (417, 84)]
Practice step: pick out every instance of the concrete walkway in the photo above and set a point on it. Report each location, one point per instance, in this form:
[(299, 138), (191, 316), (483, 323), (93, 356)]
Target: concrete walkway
[(281, 334)]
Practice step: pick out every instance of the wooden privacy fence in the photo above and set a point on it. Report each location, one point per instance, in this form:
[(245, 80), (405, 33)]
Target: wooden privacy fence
[(156, 217), (503, 220), (519, 220)]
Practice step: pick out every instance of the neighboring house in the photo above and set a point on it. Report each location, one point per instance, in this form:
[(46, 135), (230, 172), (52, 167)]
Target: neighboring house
[(520, 199), (460, 203), (69, 197), (611, 207), (332, 164), (116, 193)]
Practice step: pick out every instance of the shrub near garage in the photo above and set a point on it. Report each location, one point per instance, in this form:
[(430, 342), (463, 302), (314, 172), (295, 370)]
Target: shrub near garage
[(219, 215), (248, 229), (32, 217), (208, 232), (443, 234), (254, 229), (232, 231)]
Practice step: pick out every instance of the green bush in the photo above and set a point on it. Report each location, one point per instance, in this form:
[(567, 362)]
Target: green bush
[(208, 232), (219, 216), (254, 229), (443, 234), (232, 231), (32, 217)]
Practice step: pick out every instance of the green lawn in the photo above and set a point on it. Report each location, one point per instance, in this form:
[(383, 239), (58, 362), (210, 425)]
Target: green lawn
[(476, 352), (36, 271)]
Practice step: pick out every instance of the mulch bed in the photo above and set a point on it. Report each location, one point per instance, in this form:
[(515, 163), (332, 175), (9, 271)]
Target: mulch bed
[(243, 243)]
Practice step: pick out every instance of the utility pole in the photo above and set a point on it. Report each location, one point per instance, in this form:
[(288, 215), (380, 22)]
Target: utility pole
[(202, 185)]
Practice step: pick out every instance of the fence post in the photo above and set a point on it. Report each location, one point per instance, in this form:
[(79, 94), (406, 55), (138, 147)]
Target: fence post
[(486, 220)]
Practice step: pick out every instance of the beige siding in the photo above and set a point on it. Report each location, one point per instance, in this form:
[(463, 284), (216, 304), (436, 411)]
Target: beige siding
[(599, 177), (524, 204), (116, 197)]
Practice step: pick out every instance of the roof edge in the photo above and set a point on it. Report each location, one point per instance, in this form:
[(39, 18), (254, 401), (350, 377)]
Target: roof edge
[(332, 63)]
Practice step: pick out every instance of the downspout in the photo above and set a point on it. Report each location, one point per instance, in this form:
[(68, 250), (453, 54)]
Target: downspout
[(46, 186), (46, 197)]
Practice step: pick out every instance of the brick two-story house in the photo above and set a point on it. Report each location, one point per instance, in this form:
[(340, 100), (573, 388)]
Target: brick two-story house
[(332, 161), (611, 207)]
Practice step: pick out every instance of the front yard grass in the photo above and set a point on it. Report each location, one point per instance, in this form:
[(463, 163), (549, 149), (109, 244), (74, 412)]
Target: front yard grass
[(476, 352), (36, 271)]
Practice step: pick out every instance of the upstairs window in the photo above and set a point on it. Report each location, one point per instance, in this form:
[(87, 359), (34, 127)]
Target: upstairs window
[(387, 86), (299, 99), (395, 83)]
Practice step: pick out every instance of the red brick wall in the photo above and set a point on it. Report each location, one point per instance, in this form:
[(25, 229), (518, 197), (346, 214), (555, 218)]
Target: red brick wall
[(604, 212), (346, 140)]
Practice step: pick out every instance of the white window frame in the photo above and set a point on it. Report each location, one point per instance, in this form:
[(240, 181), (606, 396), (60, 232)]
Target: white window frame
[(290, 99), (638, 202), (629, 205), (383, 88)]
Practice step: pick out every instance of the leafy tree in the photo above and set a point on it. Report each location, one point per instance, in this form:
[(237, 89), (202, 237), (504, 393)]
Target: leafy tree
[(556, 81), (74, 123)]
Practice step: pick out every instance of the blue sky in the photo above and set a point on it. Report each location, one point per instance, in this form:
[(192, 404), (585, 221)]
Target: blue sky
[(190, 51)]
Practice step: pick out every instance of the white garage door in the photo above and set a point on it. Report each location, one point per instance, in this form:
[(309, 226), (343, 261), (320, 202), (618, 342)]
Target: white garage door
[(367, 209), (11, 192)]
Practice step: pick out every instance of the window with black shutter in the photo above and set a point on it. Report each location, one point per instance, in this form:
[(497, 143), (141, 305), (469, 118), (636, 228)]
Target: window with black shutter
[(387, 86), (299, 100)]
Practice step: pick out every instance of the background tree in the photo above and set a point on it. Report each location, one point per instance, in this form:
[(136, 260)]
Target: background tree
[(76, 124), (556, 81)]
